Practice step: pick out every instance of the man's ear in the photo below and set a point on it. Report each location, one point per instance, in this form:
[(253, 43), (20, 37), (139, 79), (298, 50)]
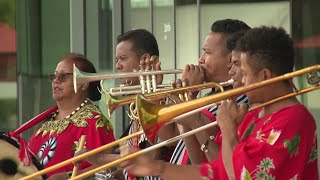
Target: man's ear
[(229, 65), (266, 74)]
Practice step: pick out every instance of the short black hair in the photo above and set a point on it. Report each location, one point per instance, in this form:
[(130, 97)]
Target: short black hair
[(229, 26), (271, 47), (233, 39), (83, 64), (143, 41)]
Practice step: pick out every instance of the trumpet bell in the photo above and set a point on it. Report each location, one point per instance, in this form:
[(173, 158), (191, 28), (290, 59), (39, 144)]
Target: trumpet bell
[(113, 102)]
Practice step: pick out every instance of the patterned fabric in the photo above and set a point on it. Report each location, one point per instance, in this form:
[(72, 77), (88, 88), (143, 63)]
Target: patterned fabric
[(282, 145), (180, 152), (60, 145), (134, 142)]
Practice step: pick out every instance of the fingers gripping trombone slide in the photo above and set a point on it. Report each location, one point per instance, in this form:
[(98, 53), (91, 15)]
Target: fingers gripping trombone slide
[(81, 145)]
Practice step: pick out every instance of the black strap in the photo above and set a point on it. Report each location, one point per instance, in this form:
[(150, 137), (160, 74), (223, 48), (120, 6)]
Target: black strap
[(126, 132)]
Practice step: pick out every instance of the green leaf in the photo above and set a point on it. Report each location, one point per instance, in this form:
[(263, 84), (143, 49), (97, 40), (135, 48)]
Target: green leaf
[(99, 123), (248, 131), (245, 175), (74, 147), (293, 145)]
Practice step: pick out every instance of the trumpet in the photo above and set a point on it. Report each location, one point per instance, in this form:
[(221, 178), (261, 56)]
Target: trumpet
[(151, 121), (137, 89), (114, 102), (80, 77)]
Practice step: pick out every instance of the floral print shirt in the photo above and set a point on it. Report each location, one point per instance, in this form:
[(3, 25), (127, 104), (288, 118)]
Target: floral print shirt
[(282, 145)]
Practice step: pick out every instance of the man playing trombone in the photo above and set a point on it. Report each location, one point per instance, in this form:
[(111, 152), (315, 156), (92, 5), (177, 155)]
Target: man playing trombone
[(277, 141)]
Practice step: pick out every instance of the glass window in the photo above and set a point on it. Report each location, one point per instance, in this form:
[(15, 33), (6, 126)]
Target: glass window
[(136, 14), (306, 33), (187, 33), (163, 24), (8, 65)]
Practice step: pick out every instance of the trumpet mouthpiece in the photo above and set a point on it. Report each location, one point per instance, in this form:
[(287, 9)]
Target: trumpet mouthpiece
[(230, 82)]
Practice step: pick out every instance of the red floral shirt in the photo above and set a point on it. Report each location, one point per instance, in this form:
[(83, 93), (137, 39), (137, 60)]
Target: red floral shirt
[(281, 145)]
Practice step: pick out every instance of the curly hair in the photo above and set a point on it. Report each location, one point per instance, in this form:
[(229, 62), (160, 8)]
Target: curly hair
[(86, 66), (143, 41), (270, 47)]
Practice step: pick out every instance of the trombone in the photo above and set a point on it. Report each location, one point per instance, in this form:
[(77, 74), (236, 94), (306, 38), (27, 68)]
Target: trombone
[(149, 119)]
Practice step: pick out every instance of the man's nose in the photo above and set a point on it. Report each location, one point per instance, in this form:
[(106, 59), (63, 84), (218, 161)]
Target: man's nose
[(118, 65), (231, 71), (201, 59)]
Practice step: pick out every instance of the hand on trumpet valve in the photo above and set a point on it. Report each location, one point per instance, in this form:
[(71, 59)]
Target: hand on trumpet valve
[(150, 63), (230, 114)]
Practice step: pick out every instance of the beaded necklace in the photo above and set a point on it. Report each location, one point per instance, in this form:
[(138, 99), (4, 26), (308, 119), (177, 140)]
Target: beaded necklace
[(73, 112), (60, 125)]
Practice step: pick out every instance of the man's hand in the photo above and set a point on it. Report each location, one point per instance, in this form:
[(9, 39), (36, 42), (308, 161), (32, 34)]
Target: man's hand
[(152, 63), (97, 159), (230, 114), (143, 165), (193, 74)]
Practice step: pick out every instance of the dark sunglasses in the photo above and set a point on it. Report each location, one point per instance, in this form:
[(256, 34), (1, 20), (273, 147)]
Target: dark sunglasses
[(60, 77)]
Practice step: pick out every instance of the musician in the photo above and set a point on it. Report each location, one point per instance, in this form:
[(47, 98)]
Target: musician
[(73, 116), (214, 65), (277, 141), (136, 50)]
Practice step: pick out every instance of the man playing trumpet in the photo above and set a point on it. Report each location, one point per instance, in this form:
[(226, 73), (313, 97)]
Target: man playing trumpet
[(136, 50), (214, 65), (277, 141)]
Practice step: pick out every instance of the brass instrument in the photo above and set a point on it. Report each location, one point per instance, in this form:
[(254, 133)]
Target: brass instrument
[(80, 77), (160, 114), (114, 102), (152, 118), (117, 142)]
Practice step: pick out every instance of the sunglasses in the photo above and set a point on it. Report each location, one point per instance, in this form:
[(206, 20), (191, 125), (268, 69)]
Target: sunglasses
[(62, 77)]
